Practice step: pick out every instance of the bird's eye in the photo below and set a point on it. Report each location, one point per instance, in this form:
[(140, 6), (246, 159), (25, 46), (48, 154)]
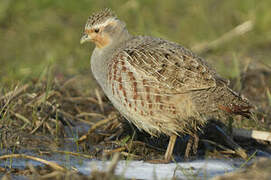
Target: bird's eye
[(96, 30)]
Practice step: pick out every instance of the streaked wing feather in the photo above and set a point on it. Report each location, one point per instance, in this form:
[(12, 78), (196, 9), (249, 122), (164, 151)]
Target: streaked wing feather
[(169, 64)]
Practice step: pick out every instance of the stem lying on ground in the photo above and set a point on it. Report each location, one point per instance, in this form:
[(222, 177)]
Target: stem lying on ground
[(53, 165), (253, 134)]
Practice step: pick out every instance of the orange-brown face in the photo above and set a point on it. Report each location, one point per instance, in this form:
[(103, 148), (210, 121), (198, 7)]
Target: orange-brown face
[(97, 36)]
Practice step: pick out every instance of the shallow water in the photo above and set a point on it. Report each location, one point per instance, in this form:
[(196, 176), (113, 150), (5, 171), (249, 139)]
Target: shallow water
[(142, 170), (201, 168), (205, 168)]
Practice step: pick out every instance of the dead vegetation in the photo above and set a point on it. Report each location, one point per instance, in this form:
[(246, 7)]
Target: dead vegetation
[(57, 172), (41, 117)]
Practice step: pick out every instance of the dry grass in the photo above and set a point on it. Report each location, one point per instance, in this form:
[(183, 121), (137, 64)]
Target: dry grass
[(44, 114)]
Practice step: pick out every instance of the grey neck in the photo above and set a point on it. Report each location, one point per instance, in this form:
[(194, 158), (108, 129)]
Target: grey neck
[(101, 57)]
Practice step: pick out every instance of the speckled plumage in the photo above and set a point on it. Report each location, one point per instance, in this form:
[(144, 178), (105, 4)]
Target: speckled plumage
[(163, 87), (98, 18), (158, 85)]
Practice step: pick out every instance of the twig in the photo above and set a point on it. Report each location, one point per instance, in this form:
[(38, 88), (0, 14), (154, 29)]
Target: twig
[(75, 154), (79, 99), (148, 145), (237, 31), (117, 150), (71, 80), (44, 96), (248, 159), (253, 134), (99, 98), (19, 116), (9, 96), (218, 145), (112, 166), (130, 155), (39, 125), (86, 121), (15, 92), (53, 165), (50, 129), (95, 126), (90, 114)]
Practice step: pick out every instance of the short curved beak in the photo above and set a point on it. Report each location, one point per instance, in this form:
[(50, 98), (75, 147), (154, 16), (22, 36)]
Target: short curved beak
[(85, 38)]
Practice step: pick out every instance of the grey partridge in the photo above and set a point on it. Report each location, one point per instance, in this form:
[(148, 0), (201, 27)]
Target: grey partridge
[(158, 85)]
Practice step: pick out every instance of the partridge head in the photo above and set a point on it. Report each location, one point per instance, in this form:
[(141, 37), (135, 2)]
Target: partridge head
[(103, 29)]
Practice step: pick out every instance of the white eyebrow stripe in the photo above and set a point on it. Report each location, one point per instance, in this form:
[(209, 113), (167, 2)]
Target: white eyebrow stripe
[(97, 26)]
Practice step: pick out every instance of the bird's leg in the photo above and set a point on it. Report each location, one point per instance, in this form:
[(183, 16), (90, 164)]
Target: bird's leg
[(170, 147), (188, 147), (192, 144), (196, 143), (168, 153)]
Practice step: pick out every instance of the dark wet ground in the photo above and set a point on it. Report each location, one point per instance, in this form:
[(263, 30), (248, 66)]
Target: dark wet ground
[(54, 119)]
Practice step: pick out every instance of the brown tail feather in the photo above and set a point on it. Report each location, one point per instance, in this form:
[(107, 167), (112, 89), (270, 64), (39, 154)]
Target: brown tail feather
[(237, 109)]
